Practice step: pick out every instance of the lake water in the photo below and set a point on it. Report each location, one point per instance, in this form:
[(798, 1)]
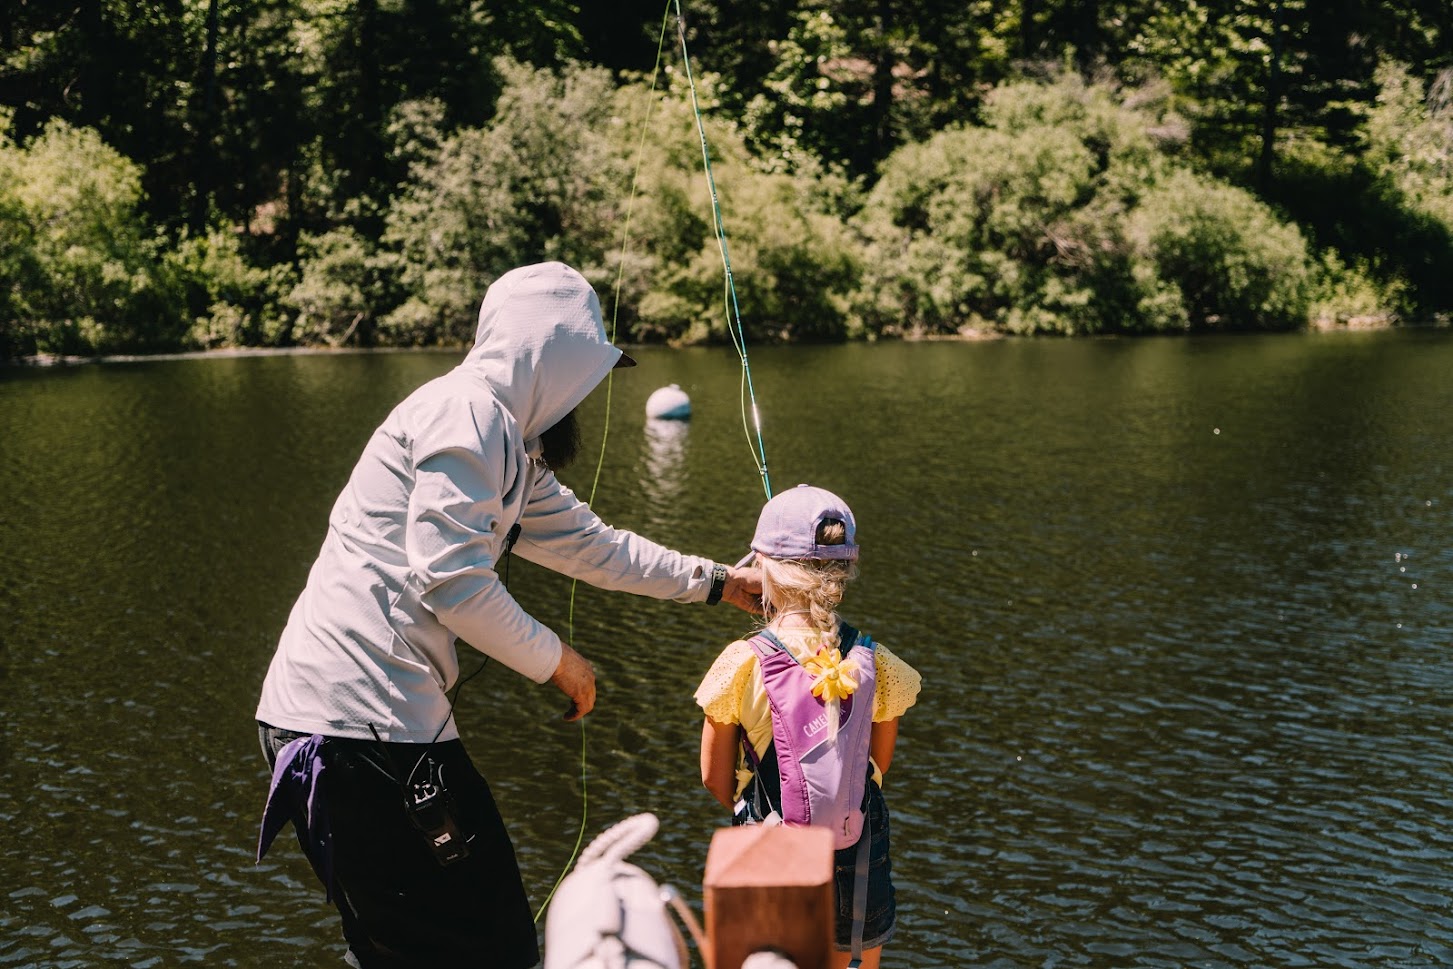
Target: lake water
[(1182, 606)]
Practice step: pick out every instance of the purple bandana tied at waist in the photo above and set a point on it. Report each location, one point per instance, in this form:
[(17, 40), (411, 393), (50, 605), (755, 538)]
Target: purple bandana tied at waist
[(296, 795)]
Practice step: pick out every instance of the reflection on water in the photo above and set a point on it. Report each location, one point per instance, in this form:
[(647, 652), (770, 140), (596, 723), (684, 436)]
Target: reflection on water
[(665, 457), (1182, 609)]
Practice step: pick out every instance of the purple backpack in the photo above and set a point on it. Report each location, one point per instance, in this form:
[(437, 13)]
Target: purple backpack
[(823, 780)]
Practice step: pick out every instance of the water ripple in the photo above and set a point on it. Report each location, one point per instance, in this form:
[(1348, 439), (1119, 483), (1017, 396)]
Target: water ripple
[(1186, 692)]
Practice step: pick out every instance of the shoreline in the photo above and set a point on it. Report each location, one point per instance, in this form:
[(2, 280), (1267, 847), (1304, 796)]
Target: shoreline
[(43, 360), (966, 335)]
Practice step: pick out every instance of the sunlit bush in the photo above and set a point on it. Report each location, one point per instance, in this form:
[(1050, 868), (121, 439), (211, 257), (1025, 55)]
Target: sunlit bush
[(235, 301), (793, 263), (539, 182), (552, 176), (87, 276), (1220, 259), (1354, 296), (1069, 212), (339, 289), (22, 278)]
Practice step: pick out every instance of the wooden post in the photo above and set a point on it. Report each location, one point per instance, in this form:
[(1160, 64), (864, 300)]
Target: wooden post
[(769, 888)]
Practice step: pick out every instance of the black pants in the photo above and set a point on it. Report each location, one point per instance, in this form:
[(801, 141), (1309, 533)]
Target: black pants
[(401, 909)]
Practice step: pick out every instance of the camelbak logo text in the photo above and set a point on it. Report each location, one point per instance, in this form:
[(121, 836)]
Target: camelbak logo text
[(817, 726)]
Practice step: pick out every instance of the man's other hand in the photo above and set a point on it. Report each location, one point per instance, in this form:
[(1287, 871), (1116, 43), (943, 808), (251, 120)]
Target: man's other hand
[(575, 678)]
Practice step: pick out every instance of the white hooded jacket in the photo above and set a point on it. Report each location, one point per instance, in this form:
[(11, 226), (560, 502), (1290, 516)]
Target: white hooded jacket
[(409, 560)]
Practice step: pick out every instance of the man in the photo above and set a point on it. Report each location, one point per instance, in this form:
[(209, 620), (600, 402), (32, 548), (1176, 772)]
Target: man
[(355, 714)]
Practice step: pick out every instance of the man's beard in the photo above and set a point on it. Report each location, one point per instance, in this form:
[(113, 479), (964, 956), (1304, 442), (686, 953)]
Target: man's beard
[(561, 442)]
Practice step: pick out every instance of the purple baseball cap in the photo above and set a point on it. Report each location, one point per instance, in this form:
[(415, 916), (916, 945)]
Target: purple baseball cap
[(787, 527)]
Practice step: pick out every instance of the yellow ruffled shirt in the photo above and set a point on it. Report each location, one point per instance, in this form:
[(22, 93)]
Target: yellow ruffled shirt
[(732, 690)]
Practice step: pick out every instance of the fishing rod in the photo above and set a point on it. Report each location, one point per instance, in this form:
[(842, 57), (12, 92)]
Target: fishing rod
[(733, 311)]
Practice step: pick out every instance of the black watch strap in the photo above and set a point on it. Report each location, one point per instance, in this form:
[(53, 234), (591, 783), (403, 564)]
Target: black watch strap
[(718, 583)]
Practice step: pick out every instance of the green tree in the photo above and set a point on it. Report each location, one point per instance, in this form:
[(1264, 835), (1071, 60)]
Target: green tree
[(541, 181), (342, 285), (853, 80), (1232, 63), (233, 302), (89, 276), (794, 266), (1069, 212), (1410, 138), (125, 70), (1212, 257), (265, 122), (733, 39)]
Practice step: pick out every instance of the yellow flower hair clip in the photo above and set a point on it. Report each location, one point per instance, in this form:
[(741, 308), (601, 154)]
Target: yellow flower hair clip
[(833, 679)]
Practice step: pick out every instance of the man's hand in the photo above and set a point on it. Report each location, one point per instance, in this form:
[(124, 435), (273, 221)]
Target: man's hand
[(743, 589), (575, 678)]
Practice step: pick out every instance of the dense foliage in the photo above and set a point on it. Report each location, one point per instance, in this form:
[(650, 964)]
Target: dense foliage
[(1069, 211), (205, 173)]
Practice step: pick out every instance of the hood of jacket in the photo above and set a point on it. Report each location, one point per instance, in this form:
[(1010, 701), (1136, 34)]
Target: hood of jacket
[(541, 345)]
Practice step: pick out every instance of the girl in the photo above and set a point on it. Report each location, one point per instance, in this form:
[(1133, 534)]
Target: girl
[(801, 719)]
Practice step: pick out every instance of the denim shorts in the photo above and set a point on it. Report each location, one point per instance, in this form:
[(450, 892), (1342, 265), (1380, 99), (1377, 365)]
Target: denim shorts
[(882, 917), (400, 907)]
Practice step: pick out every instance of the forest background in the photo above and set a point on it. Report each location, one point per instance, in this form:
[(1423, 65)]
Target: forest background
[(194, 174)]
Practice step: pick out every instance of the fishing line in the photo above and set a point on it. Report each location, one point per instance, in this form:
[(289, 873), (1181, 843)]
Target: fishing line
[(604, 437), (734, 330), (729, 296)]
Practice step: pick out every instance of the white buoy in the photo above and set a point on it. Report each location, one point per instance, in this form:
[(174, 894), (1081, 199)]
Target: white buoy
[(669, 404)]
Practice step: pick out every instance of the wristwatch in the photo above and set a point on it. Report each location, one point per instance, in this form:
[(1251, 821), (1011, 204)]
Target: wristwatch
[(718, 583)]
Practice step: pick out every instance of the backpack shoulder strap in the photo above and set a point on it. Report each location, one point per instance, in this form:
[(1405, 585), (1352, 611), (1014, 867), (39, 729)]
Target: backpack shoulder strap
[(848, 637), (765, 643)]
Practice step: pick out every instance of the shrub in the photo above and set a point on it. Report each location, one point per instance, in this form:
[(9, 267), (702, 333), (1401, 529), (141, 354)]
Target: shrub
[(22, 277), (88, 277), (540, 182), (339, 286), (958, 228), (235, 303), (1070, 213), (1354, 296), (1220, 259), (551, 178), (794, 265)]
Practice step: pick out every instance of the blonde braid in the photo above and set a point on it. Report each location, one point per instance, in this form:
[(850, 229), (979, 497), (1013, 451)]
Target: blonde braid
[(813, 587)]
